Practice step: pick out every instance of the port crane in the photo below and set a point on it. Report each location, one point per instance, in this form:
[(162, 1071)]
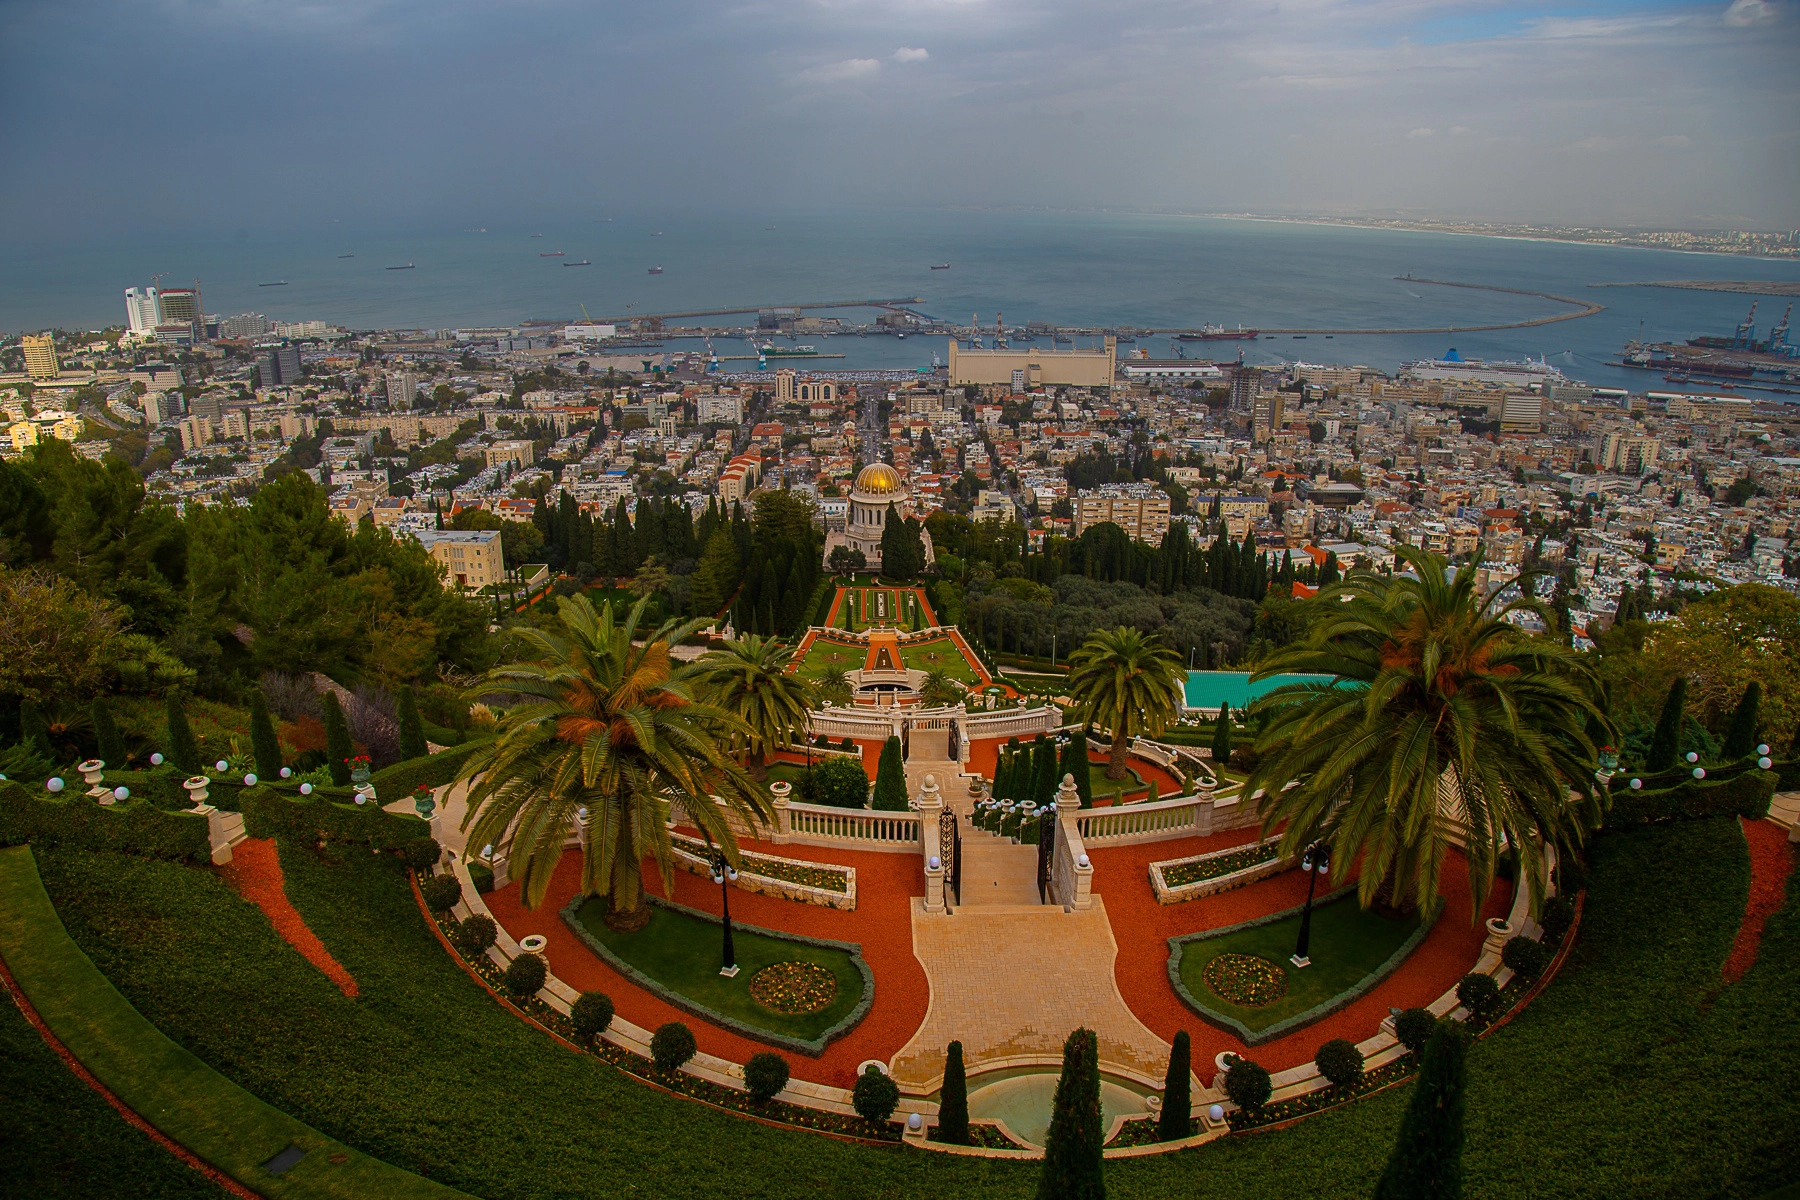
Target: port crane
[(1744, 338)]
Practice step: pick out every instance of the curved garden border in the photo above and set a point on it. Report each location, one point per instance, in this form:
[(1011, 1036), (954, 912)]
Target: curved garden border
[(812, 1047), (1250, 1037)]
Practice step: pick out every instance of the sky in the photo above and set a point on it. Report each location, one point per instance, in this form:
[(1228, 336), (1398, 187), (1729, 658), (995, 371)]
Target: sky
[(131, 117)]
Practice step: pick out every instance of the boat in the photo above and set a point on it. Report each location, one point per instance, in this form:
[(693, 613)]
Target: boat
[(1474, 370), (407, 267), (1218, 333), (537, 235), (940, 266), (771, 350), (655, 271), (277, 283), (583, 263), (550, 253), (346, 256)]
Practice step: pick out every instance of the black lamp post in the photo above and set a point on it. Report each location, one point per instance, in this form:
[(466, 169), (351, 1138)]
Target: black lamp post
[(724, 874), (1315, 861)]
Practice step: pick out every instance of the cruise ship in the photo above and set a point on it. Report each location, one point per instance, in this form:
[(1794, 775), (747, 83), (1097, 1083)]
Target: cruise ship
[(1453, 367)]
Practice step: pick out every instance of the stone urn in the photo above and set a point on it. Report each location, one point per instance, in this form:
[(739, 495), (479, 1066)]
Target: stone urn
[(91, 771), (196, 786), (359, 773)]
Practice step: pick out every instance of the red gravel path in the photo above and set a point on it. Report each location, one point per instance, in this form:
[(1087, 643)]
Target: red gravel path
[(1771, 861), (1142, 926), (255, 871), (881, 924)]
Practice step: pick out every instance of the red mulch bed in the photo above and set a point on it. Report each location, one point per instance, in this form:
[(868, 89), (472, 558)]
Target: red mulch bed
[(1142, 927), (881, 924), (1771, 861), (255, 871)]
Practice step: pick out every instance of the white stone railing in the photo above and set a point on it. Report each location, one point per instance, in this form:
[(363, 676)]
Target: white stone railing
[(865, 724), (858, 828), (1185, 816), (1011, 722)]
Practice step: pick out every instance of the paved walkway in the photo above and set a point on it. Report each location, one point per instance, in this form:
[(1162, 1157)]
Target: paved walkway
[(1011, 982)]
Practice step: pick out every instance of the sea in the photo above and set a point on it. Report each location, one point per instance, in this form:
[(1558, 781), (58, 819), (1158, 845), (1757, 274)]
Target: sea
[(1088, 269)]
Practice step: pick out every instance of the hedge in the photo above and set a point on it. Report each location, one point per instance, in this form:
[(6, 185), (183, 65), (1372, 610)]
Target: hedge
[(131, 826), (433, 771), (268, 813), (1746, 795)]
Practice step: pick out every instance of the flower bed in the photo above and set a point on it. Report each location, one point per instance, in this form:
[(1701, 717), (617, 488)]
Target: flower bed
[(1178, 879), (767, 875), (987, 1137), (1245, 979), (1144, 1131), (793, 987)]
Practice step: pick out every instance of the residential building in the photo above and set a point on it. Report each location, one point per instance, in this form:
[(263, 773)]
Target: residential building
[(472, 559), (1141, 510), (40, 356), (402, 389), (1043, 366), (724, 409), (143, 312), (279, 366), (740, 475), (514, 450)]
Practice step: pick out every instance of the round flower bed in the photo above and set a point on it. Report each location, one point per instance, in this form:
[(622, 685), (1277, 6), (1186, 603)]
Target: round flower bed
[(1245, 980), (793, 987)]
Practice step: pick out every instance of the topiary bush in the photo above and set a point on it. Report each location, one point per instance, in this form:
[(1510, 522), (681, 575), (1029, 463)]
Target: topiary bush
[(1478, 993), (1413, 1027), (591, 1013), (840, 783), (764, 1075), (525, 975), (441, 892), (475, 934), (1557, 918), (671, 1045), (421, 854), (1526, 957), (1340, 1061), (1247, 1084), (874, 1096)]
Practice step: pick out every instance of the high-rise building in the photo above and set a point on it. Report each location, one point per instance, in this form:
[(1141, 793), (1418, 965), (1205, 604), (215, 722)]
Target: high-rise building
[(1266, 413), (40, 356), (158, 407), (245, 325), (1244, 386), (180, 307), (1141, 510), (143, 312), (784, 386), (278, 366), (402, 389)]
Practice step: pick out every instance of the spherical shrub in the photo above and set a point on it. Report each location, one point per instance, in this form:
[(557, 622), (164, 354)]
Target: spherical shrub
[(765, 1074), (1526, 957), (1247, 1084), (525, 975), (1478, 993), (441, 892), (671, 1045), (591, 1013), (840, 783), (1557, 917), (1340, 1062), (421, 853), (1413, 1027), (874, 1096), (475, 934), (1571, 875)]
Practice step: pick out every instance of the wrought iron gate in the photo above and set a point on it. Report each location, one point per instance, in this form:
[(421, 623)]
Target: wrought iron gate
[(1047, 830), (950, 851)]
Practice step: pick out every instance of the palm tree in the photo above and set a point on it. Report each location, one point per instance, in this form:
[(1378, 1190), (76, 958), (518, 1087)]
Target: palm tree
[(609, 730), (832, 686), (937, 689), (1130, 683), (749, 677), (1442, 717)]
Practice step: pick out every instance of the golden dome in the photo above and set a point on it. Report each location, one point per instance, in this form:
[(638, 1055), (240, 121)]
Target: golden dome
[(878, 479)]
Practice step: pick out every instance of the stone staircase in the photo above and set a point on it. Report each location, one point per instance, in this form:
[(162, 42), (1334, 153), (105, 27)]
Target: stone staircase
[(997, 871)]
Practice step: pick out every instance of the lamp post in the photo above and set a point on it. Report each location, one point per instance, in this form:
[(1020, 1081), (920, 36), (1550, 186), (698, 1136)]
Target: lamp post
[(1315, 861), (724, 874)]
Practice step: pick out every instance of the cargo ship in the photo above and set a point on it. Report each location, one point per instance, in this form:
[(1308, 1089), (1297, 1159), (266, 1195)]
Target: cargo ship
[(1218, 333), (1454, 367), (770, 350), (655, 270), (550, 254), (583, 263)]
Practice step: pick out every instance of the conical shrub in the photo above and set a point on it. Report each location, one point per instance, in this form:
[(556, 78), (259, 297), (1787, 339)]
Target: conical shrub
[(1427, 1160), (265, 747), (1073, 1166), (953, 1102), (184, 751), (1178, 1100), (338, 746)]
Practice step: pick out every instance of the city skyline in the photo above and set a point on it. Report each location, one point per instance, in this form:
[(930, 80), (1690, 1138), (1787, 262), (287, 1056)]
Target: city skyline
[(1645, 113)]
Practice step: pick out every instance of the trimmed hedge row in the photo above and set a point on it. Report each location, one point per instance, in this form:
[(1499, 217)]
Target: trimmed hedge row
[(1745, 796), (129, 827), (433, 771), (268, 813)]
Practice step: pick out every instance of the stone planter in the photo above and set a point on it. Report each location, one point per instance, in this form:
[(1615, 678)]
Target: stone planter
[(196, 789), (91, 771), (533, 943)]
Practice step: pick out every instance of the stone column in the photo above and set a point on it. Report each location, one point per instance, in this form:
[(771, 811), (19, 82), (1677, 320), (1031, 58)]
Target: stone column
[(781, 791), (1072, 874), (931, 803)]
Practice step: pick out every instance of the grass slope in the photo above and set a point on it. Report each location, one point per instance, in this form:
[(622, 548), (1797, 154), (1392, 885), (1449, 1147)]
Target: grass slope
[(1619, 1081), (161, 1081)]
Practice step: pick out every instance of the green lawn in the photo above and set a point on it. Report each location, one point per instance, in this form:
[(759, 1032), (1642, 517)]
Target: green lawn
[(939, 654), (823, 656), (859, 610), (185, 1098), (682, 952), (1632, 1075), (1101, 787), (1346, 944)]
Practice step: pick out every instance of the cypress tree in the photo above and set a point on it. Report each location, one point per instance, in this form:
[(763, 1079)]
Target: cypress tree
[(1178, 1103), (110, 743), (33, 731), (790, 612), (953, 1103), (890, 778), (1427, 1159), (1043, 770), (1073, 1166), (338, 746), (412, 730), (184, 751), (1330, 574), (1221, 743), (1667, 740), (265, 747), (1740, 736), (1076, 764)]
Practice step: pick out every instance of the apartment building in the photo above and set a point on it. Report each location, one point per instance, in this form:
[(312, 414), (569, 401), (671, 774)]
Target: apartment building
[(1139, 509), (471, 559)]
